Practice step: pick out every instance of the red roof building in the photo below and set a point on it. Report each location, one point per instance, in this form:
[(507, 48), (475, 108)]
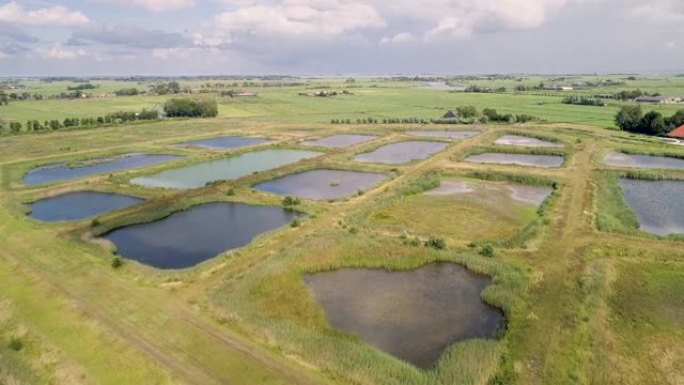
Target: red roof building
[(677, 133)]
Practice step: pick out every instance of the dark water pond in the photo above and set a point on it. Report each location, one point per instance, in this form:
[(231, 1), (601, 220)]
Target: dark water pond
[(524, 141), (444, 134), (198, 175), (545, 161), (224, 142), (413, 315), (322, 184), (619, 159), (340, 141), (659, 205), (402, 152), (79, 205), (190, 237), (62, 171)]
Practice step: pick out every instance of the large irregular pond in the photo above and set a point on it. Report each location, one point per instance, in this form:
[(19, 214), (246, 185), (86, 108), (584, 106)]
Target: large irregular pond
[(444, 134), (339, 141), (322, 184), (414, 315), (224, 142), (545, 161), (402, 152), (659, 205), (198, 175), (525, 141), (190, 237), (62, 171), (79, 205), (620, 159), (534, 195)]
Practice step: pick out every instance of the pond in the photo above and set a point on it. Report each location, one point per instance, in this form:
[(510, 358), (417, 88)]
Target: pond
[(197, 234), (402, 152), (620, 159), (545, 161), (659, 205), (322, 184), (444, 134), (224, 142), (413, 315), (525, 141), (62, 171), (340, 141), (534, 195), (79, 205), (198, 175)]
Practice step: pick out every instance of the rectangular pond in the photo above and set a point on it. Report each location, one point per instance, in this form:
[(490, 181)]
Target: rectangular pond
[(63, 171), (444, 134), (402, 152), (659, 205), (198, 175), (223, 142), (544, 161), (79, 205), (340, 141), (197, 234), (413, 315), (525, 141), (619, 159), (322, 184)]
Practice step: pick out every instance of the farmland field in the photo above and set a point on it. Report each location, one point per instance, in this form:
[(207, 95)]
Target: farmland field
[(587, 295)]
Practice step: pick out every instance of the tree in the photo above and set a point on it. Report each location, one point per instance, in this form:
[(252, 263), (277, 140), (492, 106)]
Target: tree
[(289, 201), (652, 123), (187, 107), (628, 118), (467, 111), (15, 127), (676, 120)]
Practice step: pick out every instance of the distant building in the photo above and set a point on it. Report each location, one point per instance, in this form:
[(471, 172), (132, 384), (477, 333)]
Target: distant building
[(245, 94), (651, 99), (449, 115), (677, 133)]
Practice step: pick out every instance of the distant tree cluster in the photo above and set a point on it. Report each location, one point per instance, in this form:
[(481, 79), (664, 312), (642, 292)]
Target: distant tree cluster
[(632, 94), (54, 124), (5, 98), (172, 87), (523, 87), (484, 90), (632, 119), (81, 87), (191, 108), (583, 101), (127, 92), (491, 115)]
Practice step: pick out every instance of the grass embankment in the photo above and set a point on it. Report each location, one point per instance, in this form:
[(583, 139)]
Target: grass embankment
[(274, 304), (486, 215)]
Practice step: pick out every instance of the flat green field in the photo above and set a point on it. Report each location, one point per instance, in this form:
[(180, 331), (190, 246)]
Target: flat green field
[(588, 298)]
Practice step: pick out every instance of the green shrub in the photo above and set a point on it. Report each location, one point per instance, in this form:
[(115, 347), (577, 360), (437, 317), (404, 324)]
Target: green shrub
[(436, 243), (117, 262), (295, 223), (16, 344), (487, 250), (289, 201)]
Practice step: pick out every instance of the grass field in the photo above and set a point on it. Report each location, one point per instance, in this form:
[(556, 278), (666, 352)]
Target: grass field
[(588, 299)]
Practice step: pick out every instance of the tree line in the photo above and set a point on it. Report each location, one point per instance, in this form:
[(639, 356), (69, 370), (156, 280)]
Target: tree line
[(463, 115), (632, 119), (583, 101)]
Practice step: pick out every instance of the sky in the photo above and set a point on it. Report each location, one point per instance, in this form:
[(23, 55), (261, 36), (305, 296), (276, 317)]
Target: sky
[(339, 37)]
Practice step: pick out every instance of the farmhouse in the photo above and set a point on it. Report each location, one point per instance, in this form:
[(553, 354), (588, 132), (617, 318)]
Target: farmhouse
[(677, 133), (651, 99), (449, 115)]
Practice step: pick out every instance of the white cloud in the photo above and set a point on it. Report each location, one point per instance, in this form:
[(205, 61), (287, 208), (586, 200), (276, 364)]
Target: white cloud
[(660, 11), (402, 37), (463, 18), (156, 5), (301, 17), (51, 16), (59, 53)]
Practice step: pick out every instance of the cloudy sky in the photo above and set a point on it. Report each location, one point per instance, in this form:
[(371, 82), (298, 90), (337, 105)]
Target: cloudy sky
[(189, 37)]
